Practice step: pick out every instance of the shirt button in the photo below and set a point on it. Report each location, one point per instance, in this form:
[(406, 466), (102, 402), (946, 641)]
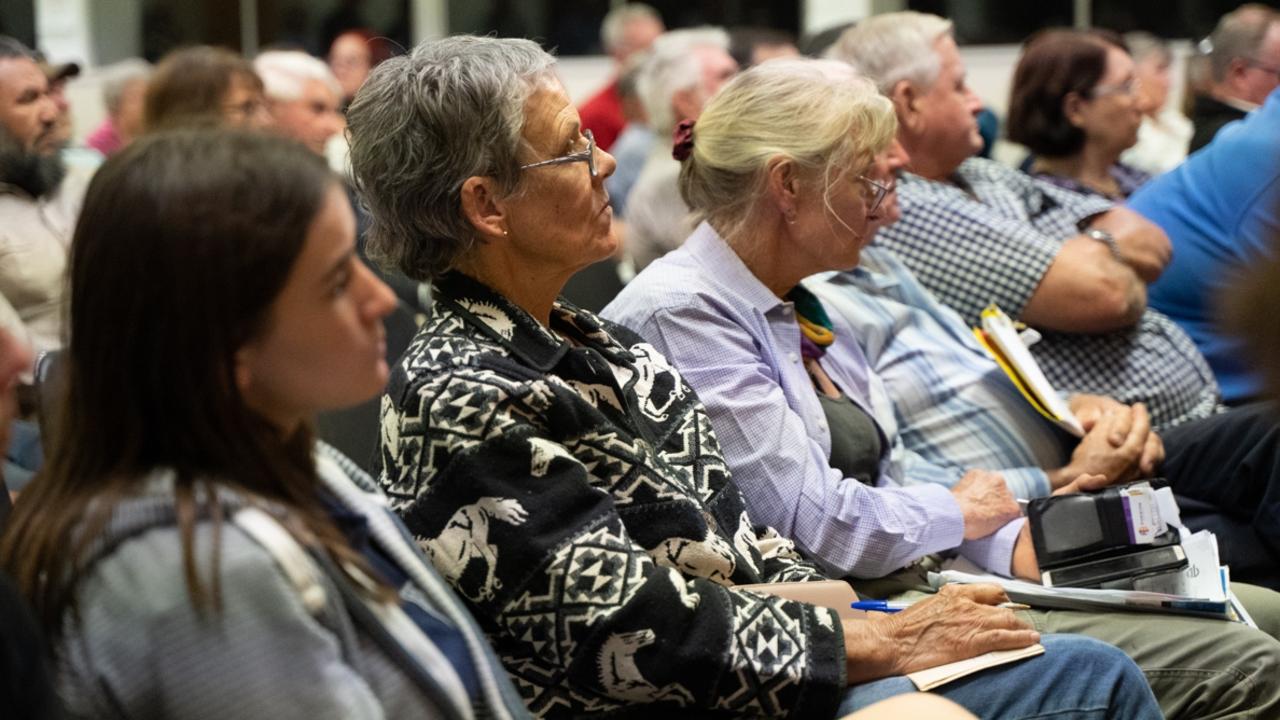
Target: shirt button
[(793, 357)]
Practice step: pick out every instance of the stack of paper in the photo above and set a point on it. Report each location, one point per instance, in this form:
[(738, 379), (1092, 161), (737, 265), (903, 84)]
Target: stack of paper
[(1217, 604), (926, 680), (1001, 340)]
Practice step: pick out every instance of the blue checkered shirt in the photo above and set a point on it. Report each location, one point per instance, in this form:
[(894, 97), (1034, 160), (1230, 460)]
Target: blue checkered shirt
[(995, 242), (954, 406)]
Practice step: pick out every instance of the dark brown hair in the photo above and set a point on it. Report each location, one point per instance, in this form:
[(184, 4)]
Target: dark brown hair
[(1054, 64), (183, 243), (189, 86)]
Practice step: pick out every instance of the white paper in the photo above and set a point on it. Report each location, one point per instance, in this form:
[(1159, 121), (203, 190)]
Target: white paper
[(1038, 595), (1168, 505), (1000, 330), (1142, 514), (1202, 577)]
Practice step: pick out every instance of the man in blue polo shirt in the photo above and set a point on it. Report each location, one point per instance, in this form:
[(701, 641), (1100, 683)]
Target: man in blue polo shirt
[(1221, 210)]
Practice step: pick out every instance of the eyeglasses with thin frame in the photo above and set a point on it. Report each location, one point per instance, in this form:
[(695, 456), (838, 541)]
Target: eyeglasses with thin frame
[(587, 156), (1129, 88), (881, 191)]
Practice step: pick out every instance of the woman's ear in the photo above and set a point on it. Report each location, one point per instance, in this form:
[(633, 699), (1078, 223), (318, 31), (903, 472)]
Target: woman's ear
[(783, 186), (1073, 106), (482, 206)]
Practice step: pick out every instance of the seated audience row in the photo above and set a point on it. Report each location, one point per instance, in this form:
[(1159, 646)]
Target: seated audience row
[(595, 491), (608, 533)]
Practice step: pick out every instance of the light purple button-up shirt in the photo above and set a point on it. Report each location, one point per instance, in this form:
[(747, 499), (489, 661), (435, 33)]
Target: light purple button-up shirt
[(738, 345)]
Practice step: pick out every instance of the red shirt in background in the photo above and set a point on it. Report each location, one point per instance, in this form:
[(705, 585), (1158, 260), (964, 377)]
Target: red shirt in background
[(602, 115)]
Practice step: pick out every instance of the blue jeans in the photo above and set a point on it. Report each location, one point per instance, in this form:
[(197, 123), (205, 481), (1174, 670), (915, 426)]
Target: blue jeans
[(1077, 678)]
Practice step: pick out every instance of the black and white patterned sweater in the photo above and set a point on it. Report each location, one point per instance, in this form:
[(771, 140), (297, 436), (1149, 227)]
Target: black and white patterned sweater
[(569, 485)]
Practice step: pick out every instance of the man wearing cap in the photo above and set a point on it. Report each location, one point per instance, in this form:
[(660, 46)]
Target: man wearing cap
[(39, 199)]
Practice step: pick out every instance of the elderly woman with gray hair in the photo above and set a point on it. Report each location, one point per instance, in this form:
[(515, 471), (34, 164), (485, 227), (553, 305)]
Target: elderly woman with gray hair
[(561, 474)]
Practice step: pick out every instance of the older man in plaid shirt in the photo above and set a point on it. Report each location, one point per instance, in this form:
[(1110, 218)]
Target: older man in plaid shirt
[(975, 232)]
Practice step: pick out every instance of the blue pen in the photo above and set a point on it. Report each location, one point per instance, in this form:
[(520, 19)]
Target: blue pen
[(880, 606)]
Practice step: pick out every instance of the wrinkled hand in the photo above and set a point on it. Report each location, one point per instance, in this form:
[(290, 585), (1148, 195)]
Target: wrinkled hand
[(958, 623), (986, 502), (1088, 409), (1119, 444), (1143, 245)]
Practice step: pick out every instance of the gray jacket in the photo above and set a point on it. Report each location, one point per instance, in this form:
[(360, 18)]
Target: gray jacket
[(293, 637)]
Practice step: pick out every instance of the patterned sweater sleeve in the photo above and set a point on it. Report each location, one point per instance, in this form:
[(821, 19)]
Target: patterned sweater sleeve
[(580, 613)]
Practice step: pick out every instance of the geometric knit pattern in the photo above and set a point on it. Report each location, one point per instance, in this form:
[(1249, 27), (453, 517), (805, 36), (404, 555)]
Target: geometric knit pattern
[(995, 242), (569, 485)]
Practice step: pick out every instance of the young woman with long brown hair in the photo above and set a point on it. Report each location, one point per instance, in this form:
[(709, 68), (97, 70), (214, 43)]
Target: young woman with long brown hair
[(189, 548)]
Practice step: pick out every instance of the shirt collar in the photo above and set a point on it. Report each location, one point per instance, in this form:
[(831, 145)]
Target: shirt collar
[(1238, 104), (516, 330), (727, 270)]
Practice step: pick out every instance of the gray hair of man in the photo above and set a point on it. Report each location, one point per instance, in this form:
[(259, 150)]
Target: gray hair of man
[(13, 48), (894, 47), (673, 66), (285, 74), (614, 27), (118, 77), (422, 124), (1239, 34)]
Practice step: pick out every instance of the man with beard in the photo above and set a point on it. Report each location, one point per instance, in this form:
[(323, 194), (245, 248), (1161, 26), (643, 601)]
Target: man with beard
[(39, 201)]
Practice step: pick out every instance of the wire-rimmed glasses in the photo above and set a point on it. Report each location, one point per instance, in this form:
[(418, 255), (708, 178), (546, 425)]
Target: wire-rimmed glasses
[(587, 156)]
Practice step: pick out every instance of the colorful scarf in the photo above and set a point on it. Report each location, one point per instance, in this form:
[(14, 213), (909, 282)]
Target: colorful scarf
[(815, 326)]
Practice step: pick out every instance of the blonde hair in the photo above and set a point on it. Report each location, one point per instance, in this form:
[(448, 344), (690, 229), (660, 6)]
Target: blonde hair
[(820, 114)]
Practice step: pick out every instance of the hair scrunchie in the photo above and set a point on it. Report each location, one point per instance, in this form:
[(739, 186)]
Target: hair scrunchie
[(682, 140)]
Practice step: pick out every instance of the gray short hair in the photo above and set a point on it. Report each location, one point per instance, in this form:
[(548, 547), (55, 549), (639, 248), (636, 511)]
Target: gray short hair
[(119, 77), (673, 66), (616, 21), (285, 74), (894, 47), (1239, 34), (425, 122)]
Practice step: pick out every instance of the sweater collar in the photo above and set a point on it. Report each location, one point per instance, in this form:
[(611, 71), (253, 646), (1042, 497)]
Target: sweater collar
[(519, 332)]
